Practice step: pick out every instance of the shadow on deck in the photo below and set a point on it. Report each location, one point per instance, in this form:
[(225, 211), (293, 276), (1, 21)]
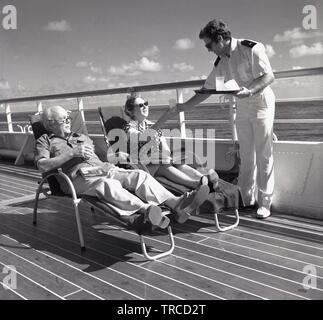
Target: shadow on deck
[(257, 260)]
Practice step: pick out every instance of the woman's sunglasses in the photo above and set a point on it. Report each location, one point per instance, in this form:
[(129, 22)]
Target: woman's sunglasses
[(141, 105)]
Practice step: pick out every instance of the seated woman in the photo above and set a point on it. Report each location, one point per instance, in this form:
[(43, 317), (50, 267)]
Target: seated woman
[(138, 110)]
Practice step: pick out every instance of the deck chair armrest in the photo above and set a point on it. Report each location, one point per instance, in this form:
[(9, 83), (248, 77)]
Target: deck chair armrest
[(65, 177)]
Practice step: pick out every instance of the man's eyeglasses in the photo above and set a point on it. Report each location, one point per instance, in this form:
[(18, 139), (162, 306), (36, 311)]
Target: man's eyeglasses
[(68, 119), (141, 105), (209, 45)]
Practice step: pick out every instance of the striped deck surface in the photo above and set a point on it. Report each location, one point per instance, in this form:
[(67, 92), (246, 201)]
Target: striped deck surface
[(257, 260)]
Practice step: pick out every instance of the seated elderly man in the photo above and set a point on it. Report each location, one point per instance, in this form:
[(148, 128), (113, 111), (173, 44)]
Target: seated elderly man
[(134, 194)]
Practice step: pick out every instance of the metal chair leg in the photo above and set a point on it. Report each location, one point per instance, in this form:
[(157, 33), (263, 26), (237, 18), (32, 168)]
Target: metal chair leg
[(235, 224), (39, 189), (78, 221), (160, 255)]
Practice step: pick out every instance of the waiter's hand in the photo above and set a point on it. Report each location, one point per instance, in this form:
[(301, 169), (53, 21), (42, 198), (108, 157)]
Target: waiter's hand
[(244, 93)]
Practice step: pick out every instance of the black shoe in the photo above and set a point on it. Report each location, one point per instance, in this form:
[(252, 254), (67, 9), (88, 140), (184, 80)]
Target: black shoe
[(249, 207)]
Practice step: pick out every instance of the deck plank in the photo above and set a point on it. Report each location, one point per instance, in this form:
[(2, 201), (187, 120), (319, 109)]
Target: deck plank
[(272, 281), (6, 294), (152, 287), (298, 275), (288, 250), (9, 252), (17, 187), (257, 260), (68, 252), (69, 269), (277, 240), (31, 290), (81, 295)]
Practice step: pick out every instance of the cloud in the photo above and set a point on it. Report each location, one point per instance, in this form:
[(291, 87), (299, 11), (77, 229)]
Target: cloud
[(92, 79), (184, 44), (296, 34), (135, 68), (60, 26), (152, 52), (95, 69), (270, 50), (123, 70), (148, 65), (202, 77), (183, 66), (303, 50), (81, 64)]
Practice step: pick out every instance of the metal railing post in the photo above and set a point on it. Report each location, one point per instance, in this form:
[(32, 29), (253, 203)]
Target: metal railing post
[(180, 99), (233, 116), (80, 108), (9, 121), (39, 106)]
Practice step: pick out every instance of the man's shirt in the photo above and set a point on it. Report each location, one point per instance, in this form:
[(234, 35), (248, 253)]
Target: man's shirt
[(246, 61), (49, 146)]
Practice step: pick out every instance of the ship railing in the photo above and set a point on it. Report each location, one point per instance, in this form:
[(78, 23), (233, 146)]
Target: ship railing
[(177, 86)]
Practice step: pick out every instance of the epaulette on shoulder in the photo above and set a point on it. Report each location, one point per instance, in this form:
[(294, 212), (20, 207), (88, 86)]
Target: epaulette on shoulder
[(248, 43), (217, 61)]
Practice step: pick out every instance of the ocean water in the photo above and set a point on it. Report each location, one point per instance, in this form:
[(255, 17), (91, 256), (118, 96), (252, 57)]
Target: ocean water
[(284, 110)]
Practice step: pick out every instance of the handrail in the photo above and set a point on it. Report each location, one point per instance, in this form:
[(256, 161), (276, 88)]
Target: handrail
[(153, 87), (178, 86)]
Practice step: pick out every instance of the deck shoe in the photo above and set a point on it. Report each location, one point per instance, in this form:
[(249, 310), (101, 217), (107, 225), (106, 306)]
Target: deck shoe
[(213, 178), (204, 180), (190, 202), (157, 217), (263, 213)]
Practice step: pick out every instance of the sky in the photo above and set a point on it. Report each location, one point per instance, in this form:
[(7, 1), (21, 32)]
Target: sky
[(76, 45)]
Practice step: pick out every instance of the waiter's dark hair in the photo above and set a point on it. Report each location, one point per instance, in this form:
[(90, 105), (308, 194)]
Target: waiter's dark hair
[(214, 29)]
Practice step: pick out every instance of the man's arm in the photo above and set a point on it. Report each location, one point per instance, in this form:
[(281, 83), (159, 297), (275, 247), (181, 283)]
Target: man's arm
[(257, 85), (172, 111), (81, 151), (262, 82), (47, 164)]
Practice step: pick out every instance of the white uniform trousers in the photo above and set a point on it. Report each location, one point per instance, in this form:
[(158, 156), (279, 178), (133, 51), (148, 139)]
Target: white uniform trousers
[(255, 117)]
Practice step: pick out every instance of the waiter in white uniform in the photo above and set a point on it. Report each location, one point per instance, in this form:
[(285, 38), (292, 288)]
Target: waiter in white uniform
[(246, 62)]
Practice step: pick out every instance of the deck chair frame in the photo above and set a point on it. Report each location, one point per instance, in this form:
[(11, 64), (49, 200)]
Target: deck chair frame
[(76, 200), (126, 155)]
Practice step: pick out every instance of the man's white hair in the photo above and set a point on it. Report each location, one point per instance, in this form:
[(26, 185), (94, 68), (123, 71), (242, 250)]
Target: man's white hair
[(52, 113)]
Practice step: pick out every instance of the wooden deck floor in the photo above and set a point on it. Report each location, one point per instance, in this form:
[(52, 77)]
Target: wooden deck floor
[(257, 260)]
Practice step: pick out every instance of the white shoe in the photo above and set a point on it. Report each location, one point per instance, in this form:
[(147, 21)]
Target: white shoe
[(263, 213)]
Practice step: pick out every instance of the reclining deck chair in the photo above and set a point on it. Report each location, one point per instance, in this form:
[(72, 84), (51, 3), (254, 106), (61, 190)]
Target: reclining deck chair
[(115, 118), (57, 177)]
